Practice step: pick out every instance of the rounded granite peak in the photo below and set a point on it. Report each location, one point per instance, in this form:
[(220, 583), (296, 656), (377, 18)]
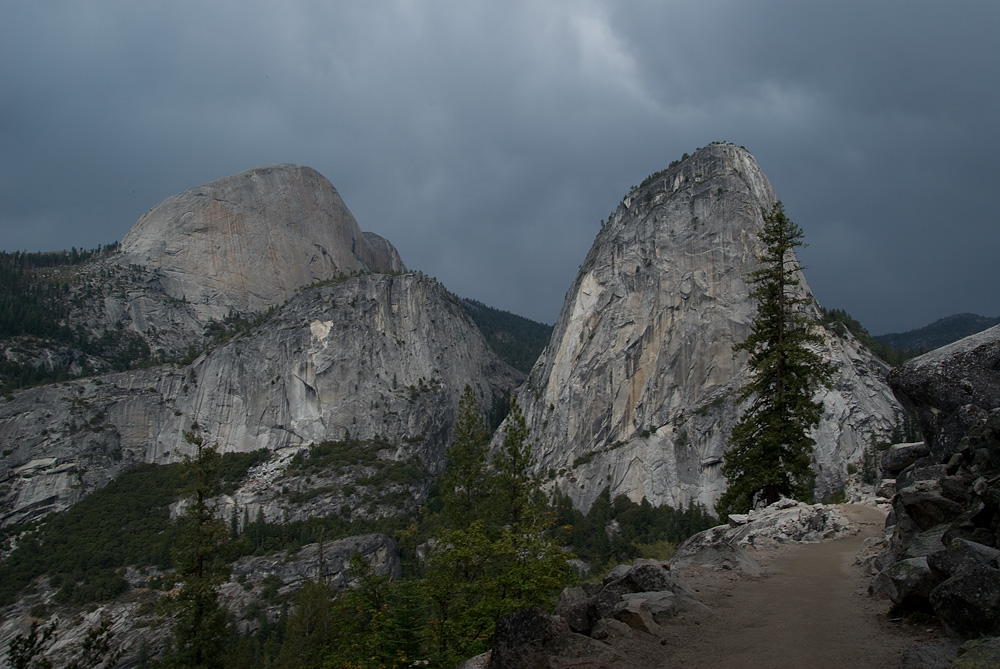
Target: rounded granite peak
[(637, 391), (249, 241)]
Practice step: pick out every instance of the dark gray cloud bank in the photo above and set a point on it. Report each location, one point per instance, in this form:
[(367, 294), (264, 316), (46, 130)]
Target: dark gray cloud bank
[(487, 140)]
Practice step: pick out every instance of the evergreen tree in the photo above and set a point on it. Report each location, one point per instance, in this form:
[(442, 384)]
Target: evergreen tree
[(360, 614), (403, 634), (200, 621), (464, 484), (502, 561), (517, 499), (310, 627), (458, 584), (770, 448)]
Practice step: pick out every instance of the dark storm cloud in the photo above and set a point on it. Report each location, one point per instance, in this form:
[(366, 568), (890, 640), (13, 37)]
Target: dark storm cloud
[(488, 140)]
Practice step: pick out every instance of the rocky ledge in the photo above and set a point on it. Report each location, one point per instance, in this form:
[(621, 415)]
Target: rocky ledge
[(942, 555)]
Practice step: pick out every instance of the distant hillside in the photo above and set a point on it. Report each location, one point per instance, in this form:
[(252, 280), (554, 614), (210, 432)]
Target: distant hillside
[(516, 339), (42, 339), (937, 334), (838, 320)]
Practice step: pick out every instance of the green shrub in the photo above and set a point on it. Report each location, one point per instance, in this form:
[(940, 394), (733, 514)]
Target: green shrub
[(658, 550)]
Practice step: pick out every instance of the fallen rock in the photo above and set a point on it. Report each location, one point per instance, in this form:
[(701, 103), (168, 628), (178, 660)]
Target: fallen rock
[(711, 553), (617, 572), (737, 519), (640, 596), (933, 654), (531, 639), (644, 576), (667, 604), (609, 629), (928, 508), (575, 650), (481, 661), (978, 654), (900, 456), (908, 582), (648, 577), (520, 637), (725, 546), (574, 608), (921, 473), (886, 488), (940, 386), (636, 614), (961, 554), (922, 544), (968, 602), (946, 513)]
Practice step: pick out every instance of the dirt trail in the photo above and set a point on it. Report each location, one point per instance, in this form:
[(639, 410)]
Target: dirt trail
[(810, 608)]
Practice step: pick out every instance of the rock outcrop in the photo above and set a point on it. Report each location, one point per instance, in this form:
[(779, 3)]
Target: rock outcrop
[(943, 532), (632, 599), (345, 351), (285, 573), (636, 389), (253, 594), (730, 546), (249, 241), (374, 356)]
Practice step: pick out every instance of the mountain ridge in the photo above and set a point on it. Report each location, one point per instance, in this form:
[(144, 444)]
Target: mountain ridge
[(939, 333)]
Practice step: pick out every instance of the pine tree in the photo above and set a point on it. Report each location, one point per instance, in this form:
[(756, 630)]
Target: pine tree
[(502, 561), (403, 635), (464, 484), (310, 627), (200, 621), (517, 498), (770, 448)]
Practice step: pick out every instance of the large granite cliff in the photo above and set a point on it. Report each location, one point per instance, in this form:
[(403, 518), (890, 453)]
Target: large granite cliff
[(374, 356), (233, 248), (249, 241), (343, 351), (635, 391)]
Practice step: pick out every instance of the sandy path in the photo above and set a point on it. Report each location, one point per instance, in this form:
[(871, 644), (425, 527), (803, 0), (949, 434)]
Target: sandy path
[(809, 609)]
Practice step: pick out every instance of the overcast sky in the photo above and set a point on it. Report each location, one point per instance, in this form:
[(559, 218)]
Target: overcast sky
[(487, 140)]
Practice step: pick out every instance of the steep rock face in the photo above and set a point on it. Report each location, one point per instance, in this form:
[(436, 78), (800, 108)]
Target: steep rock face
[(372, 356), (636, 389), (249, 241), (944, 532)]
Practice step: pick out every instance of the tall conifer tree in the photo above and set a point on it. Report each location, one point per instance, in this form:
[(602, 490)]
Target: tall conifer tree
[(503, 558), (465, 484), (770, 450), (200, 620)]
